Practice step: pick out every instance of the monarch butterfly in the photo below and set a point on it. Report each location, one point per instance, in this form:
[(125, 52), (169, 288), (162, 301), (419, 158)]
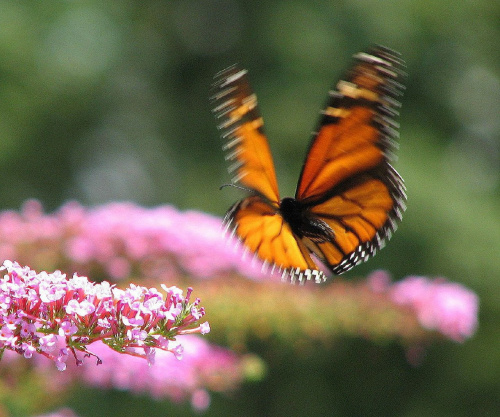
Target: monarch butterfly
[(348, 198)]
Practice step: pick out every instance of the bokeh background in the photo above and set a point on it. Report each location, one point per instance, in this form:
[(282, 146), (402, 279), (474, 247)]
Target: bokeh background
[(108, 100)]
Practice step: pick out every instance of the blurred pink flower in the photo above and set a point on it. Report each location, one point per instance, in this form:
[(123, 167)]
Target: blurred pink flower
[(123, 238), (203, 367), (447, 307), (379, 281)]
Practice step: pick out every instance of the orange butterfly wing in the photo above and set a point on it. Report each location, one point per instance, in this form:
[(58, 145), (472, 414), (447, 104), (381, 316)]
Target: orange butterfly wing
[(242, 128), (347, 181), (265, 233), (256, 219)]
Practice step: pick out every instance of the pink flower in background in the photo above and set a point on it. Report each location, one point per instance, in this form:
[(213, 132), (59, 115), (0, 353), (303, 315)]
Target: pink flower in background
[(119, 240), (379, 281), (123, 239), (447, 307), (55, 316), (204, 366)]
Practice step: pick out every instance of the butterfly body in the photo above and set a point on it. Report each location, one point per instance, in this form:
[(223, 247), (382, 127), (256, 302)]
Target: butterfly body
[(294, 213), (301, 221), (348, 198)]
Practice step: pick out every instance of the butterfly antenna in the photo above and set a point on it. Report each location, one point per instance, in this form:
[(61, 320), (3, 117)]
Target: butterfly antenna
[(235, 186)]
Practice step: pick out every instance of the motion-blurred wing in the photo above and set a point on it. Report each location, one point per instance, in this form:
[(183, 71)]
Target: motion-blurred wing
[(347, 181), (242, 128), (360, 218), (357, 130), (265, 233)]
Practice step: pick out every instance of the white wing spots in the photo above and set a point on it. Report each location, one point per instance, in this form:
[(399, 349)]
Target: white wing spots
[(296, 275), (238, 178), (233, 154), (334, 94), (352, 90), (235, 166), (336, 112), (232, 143), (363, 56), (234, 77), (283, 275)]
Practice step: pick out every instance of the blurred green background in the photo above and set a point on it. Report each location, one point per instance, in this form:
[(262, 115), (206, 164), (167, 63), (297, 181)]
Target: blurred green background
[(108, 100)]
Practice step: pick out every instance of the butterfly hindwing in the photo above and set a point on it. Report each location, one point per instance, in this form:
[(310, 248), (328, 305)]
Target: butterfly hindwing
[(360, 223), (265, 233)]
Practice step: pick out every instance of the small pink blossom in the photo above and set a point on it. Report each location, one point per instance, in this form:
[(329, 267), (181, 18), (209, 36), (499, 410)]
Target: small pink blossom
[(27, 329), (137, 335), (197, 314), (82, 309), (28, 350), (133, 321), (61, 359), (47, 343), (178, 351), (204, 328), (163, 343), (6, 333), (200, 400), (150, 355), (67, 328)]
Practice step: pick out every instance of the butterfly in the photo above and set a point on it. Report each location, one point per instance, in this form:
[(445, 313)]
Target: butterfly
[(348, 199)]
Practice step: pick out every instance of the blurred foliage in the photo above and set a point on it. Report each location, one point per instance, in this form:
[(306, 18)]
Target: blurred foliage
[(105, 100), (287, 317)]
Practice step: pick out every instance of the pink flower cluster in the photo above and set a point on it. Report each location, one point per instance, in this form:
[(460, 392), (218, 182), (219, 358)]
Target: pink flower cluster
[(446, 307), (122, 239), (55, 316)]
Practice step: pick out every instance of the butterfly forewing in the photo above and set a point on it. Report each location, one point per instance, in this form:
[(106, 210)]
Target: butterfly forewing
[(356, 130), (246, 146)]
